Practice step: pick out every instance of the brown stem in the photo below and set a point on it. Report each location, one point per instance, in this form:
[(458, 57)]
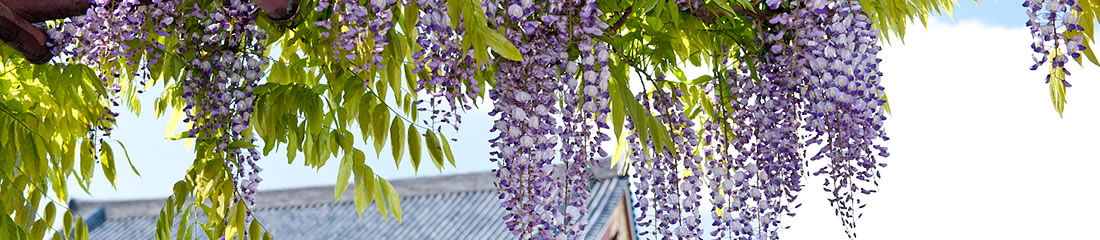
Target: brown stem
[(614, 29)]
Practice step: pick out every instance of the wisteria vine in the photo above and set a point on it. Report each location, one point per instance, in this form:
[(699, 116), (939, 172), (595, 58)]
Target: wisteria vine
[(810, 94), (1057, 37), (813, 93), (227, 57)]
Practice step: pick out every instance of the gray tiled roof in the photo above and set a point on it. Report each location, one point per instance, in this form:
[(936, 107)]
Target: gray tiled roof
[(461, 206)]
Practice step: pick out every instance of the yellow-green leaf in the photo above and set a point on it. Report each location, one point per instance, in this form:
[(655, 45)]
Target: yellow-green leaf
[(381, 123), (127, 154), (87, 160), (235, 226), (620, 150), (414, 148), (447, 149), (173, 122), (254, 230), (393, 202), (435, 150), (364, 117), (502, 46), (397, 140), (343, 174), (364, 185), (107, 158)]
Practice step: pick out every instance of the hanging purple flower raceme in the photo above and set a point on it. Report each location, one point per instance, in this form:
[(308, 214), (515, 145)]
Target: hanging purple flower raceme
[(525, 102), (1049, 22), (449, 69), (217, 87), (670, 110), (358, 27), (524, 147), (644, 177), (769, 165), (380, 25), (585, 108), (656, 172), (835, 53), (547, 73), (99, 39), (717, 158)]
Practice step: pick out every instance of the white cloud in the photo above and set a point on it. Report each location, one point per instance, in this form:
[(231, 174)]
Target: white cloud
[(977, 150)]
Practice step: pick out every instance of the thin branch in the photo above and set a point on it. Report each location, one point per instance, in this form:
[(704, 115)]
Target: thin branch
[(614, 29)]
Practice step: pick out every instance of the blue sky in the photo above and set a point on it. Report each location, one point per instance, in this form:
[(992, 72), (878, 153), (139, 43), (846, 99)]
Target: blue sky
[(998, 13)]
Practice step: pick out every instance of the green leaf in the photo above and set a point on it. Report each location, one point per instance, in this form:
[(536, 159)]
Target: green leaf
[(381, 123), (127, 153), (173, 121), (655, 129), (50, 212), (447, 149), (397, 141), (502, 46), (183, 231), (1057, 91), (662, 135), (181, 190), (9, 228), (364, 117), (701, 79), (364, 185), (343, 174), (80, 230), (435, 150), (87, 160), (66, 222), (380, 197), (241, 144), (414, 148), (617, 111), (886, 104), (107, 158), (254, 230), (235, 226), (454, 11), (1090, 54), (393, 202), (621, 149)]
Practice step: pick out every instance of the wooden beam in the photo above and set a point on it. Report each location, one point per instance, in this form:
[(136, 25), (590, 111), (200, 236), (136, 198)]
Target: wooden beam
[(23, 37), (16, 17), (44, 10)]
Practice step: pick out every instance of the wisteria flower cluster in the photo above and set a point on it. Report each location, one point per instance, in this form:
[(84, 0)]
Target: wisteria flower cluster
[(97, 39), (226, 57), (218, 84), (810, 94), (544, 201), (836, 49), (1048, 22), (814, 93), (449, 68), (358, 26), (111, 38)]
